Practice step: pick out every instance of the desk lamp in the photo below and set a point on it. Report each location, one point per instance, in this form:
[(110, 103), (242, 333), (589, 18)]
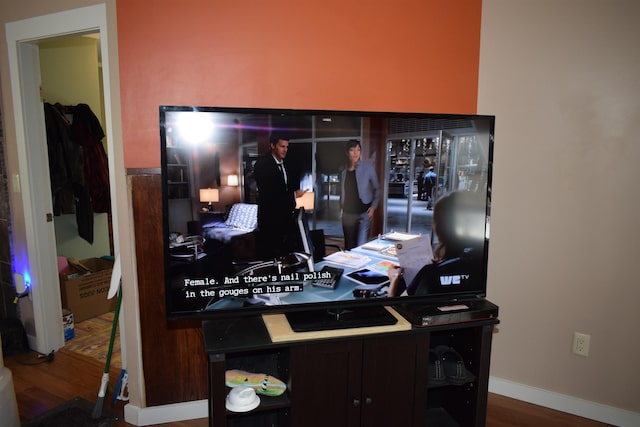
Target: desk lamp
[(209, 195)]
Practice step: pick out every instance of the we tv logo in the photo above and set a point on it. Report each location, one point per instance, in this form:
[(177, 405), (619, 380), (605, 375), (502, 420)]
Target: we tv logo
[(454, 279)]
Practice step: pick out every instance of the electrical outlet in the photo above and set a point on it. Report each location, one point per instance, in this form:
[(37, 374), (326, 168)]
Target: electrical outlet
[(581, 343)]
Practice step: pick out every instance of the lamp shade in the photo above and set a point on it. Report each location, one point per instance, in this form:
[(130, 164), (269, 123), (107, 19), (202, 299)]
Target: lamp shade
[(232, 180), (306, 201), (209, 195)]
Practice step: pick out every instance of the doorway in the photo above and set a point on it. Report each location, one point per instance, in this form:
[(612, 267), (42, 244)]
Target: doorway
[(35, 257), (409, 202), (420, 169)]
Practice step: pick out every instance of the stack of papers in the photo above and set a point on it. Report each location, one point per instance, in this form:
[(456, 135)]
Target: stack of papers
[(399, 237), (376, 246), (347, 259), (391, 250), (382, 267)]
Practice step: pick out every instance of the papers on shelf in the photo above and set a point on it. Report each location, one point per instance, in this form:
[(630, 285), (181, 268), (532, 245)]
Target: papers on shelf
[(347, 259), (399, 237)]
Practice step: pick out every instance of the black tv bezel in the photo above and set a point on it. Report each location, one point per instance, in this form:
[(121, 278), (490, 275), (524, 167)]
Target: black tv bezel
[(422, 300)]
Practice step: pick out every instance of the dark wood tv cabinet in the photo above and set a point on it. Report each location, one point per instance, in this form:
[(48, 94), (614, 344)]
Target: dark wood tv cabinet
[(370, 380)]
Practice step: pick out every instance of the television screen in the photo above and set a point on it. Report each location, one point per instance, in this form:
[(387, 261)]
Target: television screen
[(258, 202)]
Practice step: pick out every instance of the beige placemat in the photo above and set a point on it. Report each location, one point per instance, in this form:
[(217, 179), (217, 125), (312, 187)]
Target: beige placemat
[(280, 331)]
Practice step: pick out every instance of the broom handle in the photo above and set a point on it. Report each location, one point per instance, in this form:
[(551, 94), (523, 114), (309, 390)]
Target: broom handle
[(114, 326)]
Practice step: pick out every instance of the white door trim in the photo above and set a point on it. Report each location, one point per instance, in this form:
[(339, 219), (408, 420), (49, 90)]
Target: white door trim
[(38, 263)]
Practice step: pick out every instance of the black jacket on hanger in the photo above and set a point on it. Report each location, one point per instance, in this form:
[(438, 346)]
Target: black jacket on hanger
[(66, 171), (87, 131)]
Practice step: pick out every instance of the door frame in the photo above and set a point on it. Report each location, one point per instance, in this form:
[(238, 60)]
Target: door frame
[(35, 261)]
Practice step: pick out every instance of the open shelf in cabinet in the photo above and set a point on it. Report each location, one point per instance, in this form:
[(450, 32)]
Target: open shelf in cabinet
[(264, 418), (273, 362), (462, 404)]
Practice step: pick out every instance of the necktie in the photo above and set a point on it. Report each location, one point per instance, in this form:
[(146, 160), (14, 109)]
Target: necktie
[(284, 174)]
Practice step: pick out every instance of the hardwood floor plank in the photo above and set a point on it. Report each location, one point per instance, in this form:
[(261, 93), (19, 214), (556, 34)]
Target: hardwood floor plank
[(506, 412), (42, 385)]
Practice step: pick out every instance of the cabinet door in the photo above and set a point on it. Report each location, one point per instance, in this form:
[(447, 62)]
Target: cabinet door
[(326, 384), (376, 381), (394, 380)]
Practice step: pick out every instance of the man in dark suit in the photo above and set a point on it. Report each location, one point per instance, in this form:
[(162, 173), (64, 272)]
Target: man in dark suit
[(278, 187)]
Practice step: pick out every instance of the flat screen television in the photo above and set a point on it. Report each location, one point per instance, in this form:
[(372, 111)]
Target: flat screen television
[(435, 167)]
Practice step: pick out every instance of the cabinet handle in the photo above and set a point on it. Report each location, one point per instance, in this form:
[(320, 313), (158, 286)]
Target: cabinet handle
[(368, 400), (356, 402)]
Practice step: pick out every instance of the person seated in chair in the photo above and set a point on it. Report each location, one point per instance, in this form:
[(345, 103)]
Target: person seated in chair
[(458, 226)]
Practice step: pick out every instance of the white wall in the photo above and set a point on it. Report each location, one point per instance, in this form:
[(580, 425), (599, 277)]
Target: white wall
[(70, 72), (563, 79), (70, 244)]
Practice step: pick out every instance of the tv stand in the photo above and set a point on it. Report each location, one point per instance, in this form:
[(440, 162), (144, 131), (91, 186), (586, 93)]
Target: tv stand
[(330, 319), (354, 378)]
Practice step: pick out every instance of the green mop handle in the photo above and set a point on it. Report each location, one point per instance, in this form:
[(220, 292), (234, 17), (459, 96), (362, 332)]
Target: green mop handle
[(116, 317)]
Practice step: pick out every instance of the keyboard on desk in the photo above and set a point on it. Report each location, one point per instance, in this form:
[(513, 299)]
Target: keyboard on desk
[(329, 282)]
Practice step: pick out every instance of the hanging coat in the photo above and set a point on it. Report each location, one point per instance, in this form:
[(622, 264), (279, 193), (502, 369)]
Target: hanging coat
[(66, 172), (87, 131)]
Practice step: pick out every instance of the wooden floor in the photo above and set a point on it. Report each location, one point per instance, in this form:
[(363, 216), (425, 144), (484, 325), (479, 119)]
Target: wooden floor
[(41, 385)]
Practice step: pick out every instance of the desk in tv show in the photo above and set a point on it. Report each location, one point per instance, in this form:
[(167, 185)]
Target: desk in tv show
[(444, 312), (407, 375)]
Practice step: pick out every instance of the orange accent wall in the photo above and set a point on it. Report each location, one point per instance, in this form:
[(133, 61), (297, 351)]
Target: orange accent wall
[(401, 55)]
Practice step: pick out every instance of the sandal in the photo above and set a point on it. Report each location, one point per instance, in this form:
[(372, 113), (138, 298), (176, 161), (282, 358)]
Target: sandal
[(262, 383)]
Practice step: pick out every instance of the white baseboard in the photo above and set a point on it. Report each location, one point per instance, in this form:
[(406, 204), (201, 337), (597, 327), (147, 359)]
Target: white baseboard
[(166, 413), (548, 399), (560, 402)]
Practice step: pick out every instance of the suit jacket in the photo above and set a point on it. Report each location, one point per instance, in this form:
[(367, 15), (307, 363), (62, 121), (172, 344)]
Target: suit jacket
[(276, 199), (367, 182)]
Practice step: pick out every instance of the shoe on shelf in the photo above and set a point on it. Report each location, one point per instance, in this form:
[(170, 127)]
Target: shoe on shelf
[(264, 384), (453, 365), (436, 372)]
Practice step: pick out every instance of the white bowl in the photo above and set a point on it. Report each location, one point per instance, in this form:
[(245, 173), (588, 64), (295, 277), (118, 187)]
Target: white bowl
[(242, 399)]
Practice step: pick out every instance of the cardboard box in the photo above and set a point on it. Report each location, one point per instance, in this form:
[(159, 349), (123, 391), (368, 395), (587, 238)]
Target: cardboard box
[(85, 294)]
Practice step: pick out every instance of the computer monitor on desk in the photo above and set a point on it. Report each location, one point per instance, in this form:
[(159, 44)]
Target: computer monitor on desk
[(302, 228)]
